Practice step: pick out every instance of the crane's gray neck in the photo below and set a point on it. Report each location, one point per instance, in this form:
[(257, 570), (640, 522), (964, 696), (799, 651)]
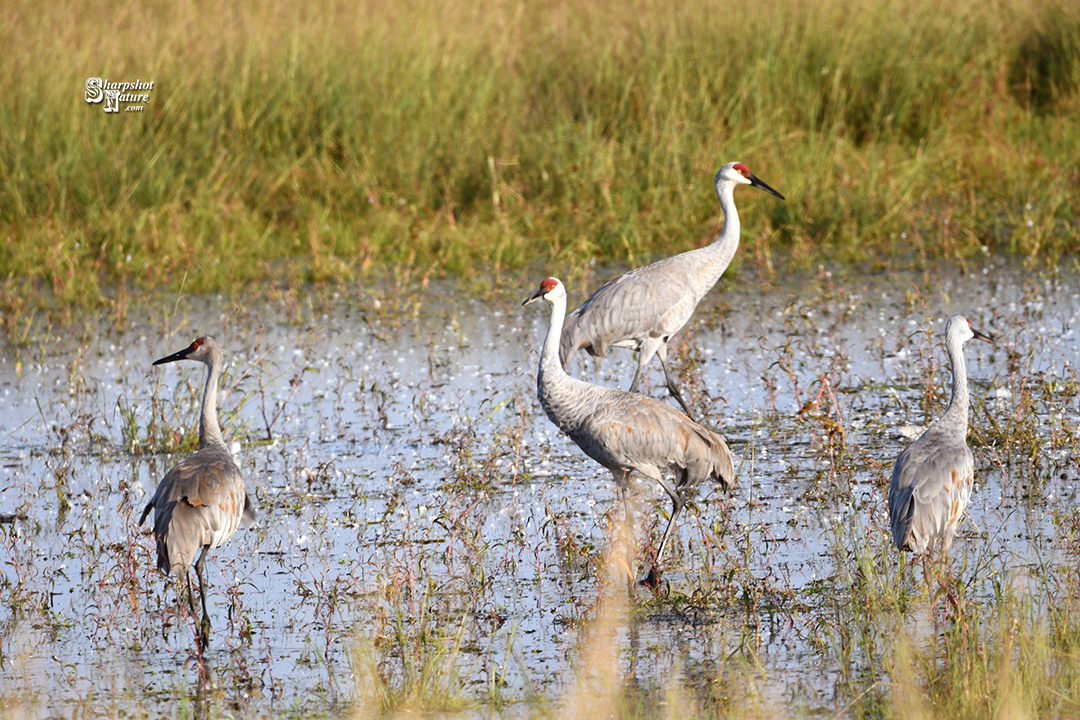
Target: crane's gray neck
[(209, 432), (567, 401), (550, 366), (723, 248), (957, 413)]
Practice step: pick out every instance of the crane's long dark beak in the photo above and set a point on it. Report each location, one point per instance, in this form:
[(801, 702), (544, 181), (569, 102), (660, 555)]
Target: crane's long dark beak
[(980, 336), (174, 357), (178, 355), (756, 182), (535, 296)]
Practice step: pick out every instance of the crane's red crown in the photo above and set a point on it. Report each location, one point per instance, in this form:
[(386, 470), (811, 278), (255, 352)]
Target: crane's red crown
[(195, 345), (549, 284), (743, 170)]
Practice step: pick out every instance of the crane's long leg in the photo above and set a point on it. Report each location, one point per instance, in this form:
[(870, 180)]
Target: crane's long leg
[(677, 502), (637, 375), (204, 626), (676, 508), (190, 591), (648, 348), (672, 387)]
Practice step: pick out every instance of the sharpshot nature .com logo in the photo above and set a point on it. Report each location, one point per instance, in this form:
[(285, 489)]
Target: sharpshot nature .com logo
[(114, 93)]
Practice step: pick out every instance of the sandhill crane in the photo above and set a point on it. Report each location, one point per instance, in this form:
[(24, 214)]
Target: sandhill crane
[(642, 309), (625, 432), (931, 480), (200, 502)]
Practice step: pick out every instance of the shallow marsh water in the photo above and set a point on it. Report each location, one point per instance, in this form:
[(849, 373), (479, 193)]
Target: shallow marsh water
[(425, 532)]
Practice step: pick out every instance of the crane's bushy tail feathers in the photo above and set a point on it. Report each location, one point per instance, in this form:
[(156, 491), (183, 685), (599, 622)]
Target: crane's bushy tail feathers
[(718, 457), (901, 515), (163, 563), (724, 468), (248, 518)]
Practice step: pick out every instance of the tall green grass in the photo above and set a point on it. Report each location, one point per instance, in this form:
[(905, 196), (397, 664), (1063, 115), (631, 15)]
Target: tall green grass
[(326, 140)]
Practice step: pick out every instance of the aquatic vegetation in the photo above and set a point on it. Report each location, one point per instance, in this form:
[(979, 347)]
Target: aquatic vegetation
[(428, 542)]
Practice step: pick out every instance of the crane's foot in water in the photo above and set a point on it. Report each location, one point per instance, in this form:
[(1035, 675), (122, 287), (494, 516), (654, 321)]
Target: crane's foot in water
[(652, 580), (203, 633)]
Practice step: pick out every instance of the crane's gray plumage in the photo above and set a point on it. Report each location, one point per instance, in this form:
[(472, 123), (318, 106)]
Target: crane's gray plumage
[(624, 432), (201, 502), (932, 478), (642, 309)]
